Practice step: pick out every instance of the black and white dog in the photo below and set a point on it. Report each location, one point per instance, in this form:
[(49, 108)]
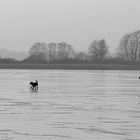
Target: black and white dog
[(34, 85)]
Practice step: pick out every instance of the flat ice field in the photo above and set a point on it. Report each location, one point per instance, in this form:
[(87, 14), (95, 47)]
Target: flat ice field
[(70, 105)]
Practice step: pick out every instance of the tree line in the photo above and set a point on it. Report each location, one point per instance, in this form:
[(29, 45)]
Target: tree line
[(128, 50), (65, 53)]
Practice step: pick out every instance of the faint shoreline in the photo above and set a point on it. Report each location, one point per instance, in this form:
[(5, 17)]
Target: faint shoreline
[(70, 66)]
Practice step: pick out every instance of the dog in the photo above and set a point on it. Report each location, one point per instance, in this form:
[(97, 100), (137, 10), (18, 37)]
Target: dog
[(34, 85)]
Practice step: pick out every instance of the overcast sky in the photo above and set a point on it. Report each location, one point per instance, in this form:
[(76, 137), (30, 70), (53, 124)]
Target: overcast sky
[(77, 22)]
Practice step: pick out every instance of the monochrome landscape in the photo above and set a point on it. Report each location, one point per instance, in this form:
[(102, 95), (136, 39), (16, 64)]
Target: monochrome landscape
[(69, 70)]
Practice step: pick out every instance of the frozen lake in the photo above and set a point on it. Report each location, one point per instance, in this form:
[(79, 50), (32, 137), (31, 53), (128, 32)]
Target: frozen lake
[(70, 105)]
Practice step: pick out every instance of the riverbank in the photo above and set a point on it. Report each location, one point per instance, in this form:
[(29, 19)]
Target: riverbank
[(70, 66)]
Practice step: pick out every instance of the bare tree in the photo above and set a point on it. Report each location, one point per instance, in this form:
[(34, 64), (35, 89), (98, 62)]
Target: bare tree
[(98, 50), (123, 51), (129, 47), (64, 51), (52, 51), (38, 51), (37, 48)]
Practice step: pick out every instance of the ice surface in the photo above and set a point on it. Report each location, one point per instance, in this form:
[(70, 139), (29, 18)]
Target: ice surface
[(70, 105)]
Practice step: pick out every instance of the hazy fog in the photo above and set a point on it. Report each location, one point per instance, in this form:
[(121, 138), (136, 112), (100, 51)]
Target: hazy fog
[(78, 22)]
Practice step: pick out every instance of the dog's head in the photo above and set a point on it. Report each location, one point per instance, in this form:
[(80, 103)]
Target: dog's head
[(31, 83)]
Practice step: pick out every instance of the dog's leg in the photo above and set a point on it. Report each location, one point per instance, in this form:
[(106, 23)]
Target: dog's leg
[(31, 87), (34, 87)]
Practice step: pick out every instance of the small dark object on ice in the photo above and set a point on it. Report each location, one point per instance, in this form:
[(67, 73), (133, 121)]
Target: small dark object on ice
[(34, 85)]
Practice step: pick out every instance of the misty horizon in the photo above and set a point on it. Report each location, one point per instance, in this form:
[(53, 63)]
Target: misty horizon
[(78, 23)]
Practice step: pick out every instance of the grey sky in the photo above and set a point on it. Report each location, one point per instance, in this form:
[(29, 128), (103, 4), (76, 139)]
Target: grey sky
[(78, 22)]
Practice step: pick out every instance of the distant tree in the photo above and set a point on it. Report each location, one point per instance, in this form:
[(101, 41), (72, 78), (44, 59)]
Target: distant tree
[(38, 51), (35, 59), (98, 50), (52, 51), (129, 47), (81, 56), (8, 60), (65, 51)]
